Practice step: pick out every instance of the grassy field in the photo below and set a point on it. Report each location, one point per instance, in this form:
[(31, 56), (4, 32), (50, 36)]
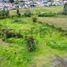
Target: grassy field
[(51, 41), (56, 21), (53, 9)]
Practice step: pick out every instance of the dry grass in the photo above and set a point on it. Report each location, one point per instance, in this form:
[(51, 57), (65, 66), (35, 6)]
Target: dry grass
[(57, 21)]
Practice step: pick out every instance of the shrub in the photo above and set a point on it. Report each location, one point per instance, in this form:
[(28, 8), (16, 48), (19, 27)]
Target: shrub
[(15, 40), (65, 8), (34, 19), (31, 43), (4, 13), (18, 21), (40, 22), (52, 26), (46, 14), (60, 29), (65, 33), (41, 14), (1, 34), (18, 12), (27, 13), (10, 33), (56, 45)]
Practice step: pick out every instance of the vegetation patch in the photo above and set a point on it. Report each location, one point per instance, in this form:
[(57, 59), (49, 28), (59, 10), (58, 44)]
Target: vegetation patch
[(43, 14), (56, 45), (32, 41)]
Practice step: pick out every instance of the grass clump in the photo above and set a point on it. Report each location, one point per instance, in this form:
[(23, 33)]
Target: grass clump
[(10, 33), (4, 13), (27, 13), (56, 45), (34, 19), (50, 14), (31, 43), (65, 8)]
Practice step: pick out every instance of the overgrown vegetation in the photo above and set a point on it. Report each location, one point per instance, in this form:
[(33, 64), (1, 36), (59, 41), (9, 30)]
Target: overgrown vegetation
[(47, 14), (34, 18), (31, 41), (28, 13), (4, 13)]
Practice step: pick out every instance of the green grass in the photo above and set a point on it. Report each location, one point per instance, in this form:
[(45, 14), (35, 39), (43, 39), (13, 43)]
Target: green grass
[(37, 10), (50, 42)]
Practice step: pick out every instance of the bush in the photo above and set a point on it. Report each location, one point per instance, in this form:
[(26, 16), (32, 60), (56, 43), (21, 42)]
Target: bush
[(27, 13), (15, 40), (10, 33), (56, 45), (41, 14), (52, 26), (19, 21), (34, 19), (31, 43), (65, 9), (60, 29), (18, 12), (4, 13), (46, 14)]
